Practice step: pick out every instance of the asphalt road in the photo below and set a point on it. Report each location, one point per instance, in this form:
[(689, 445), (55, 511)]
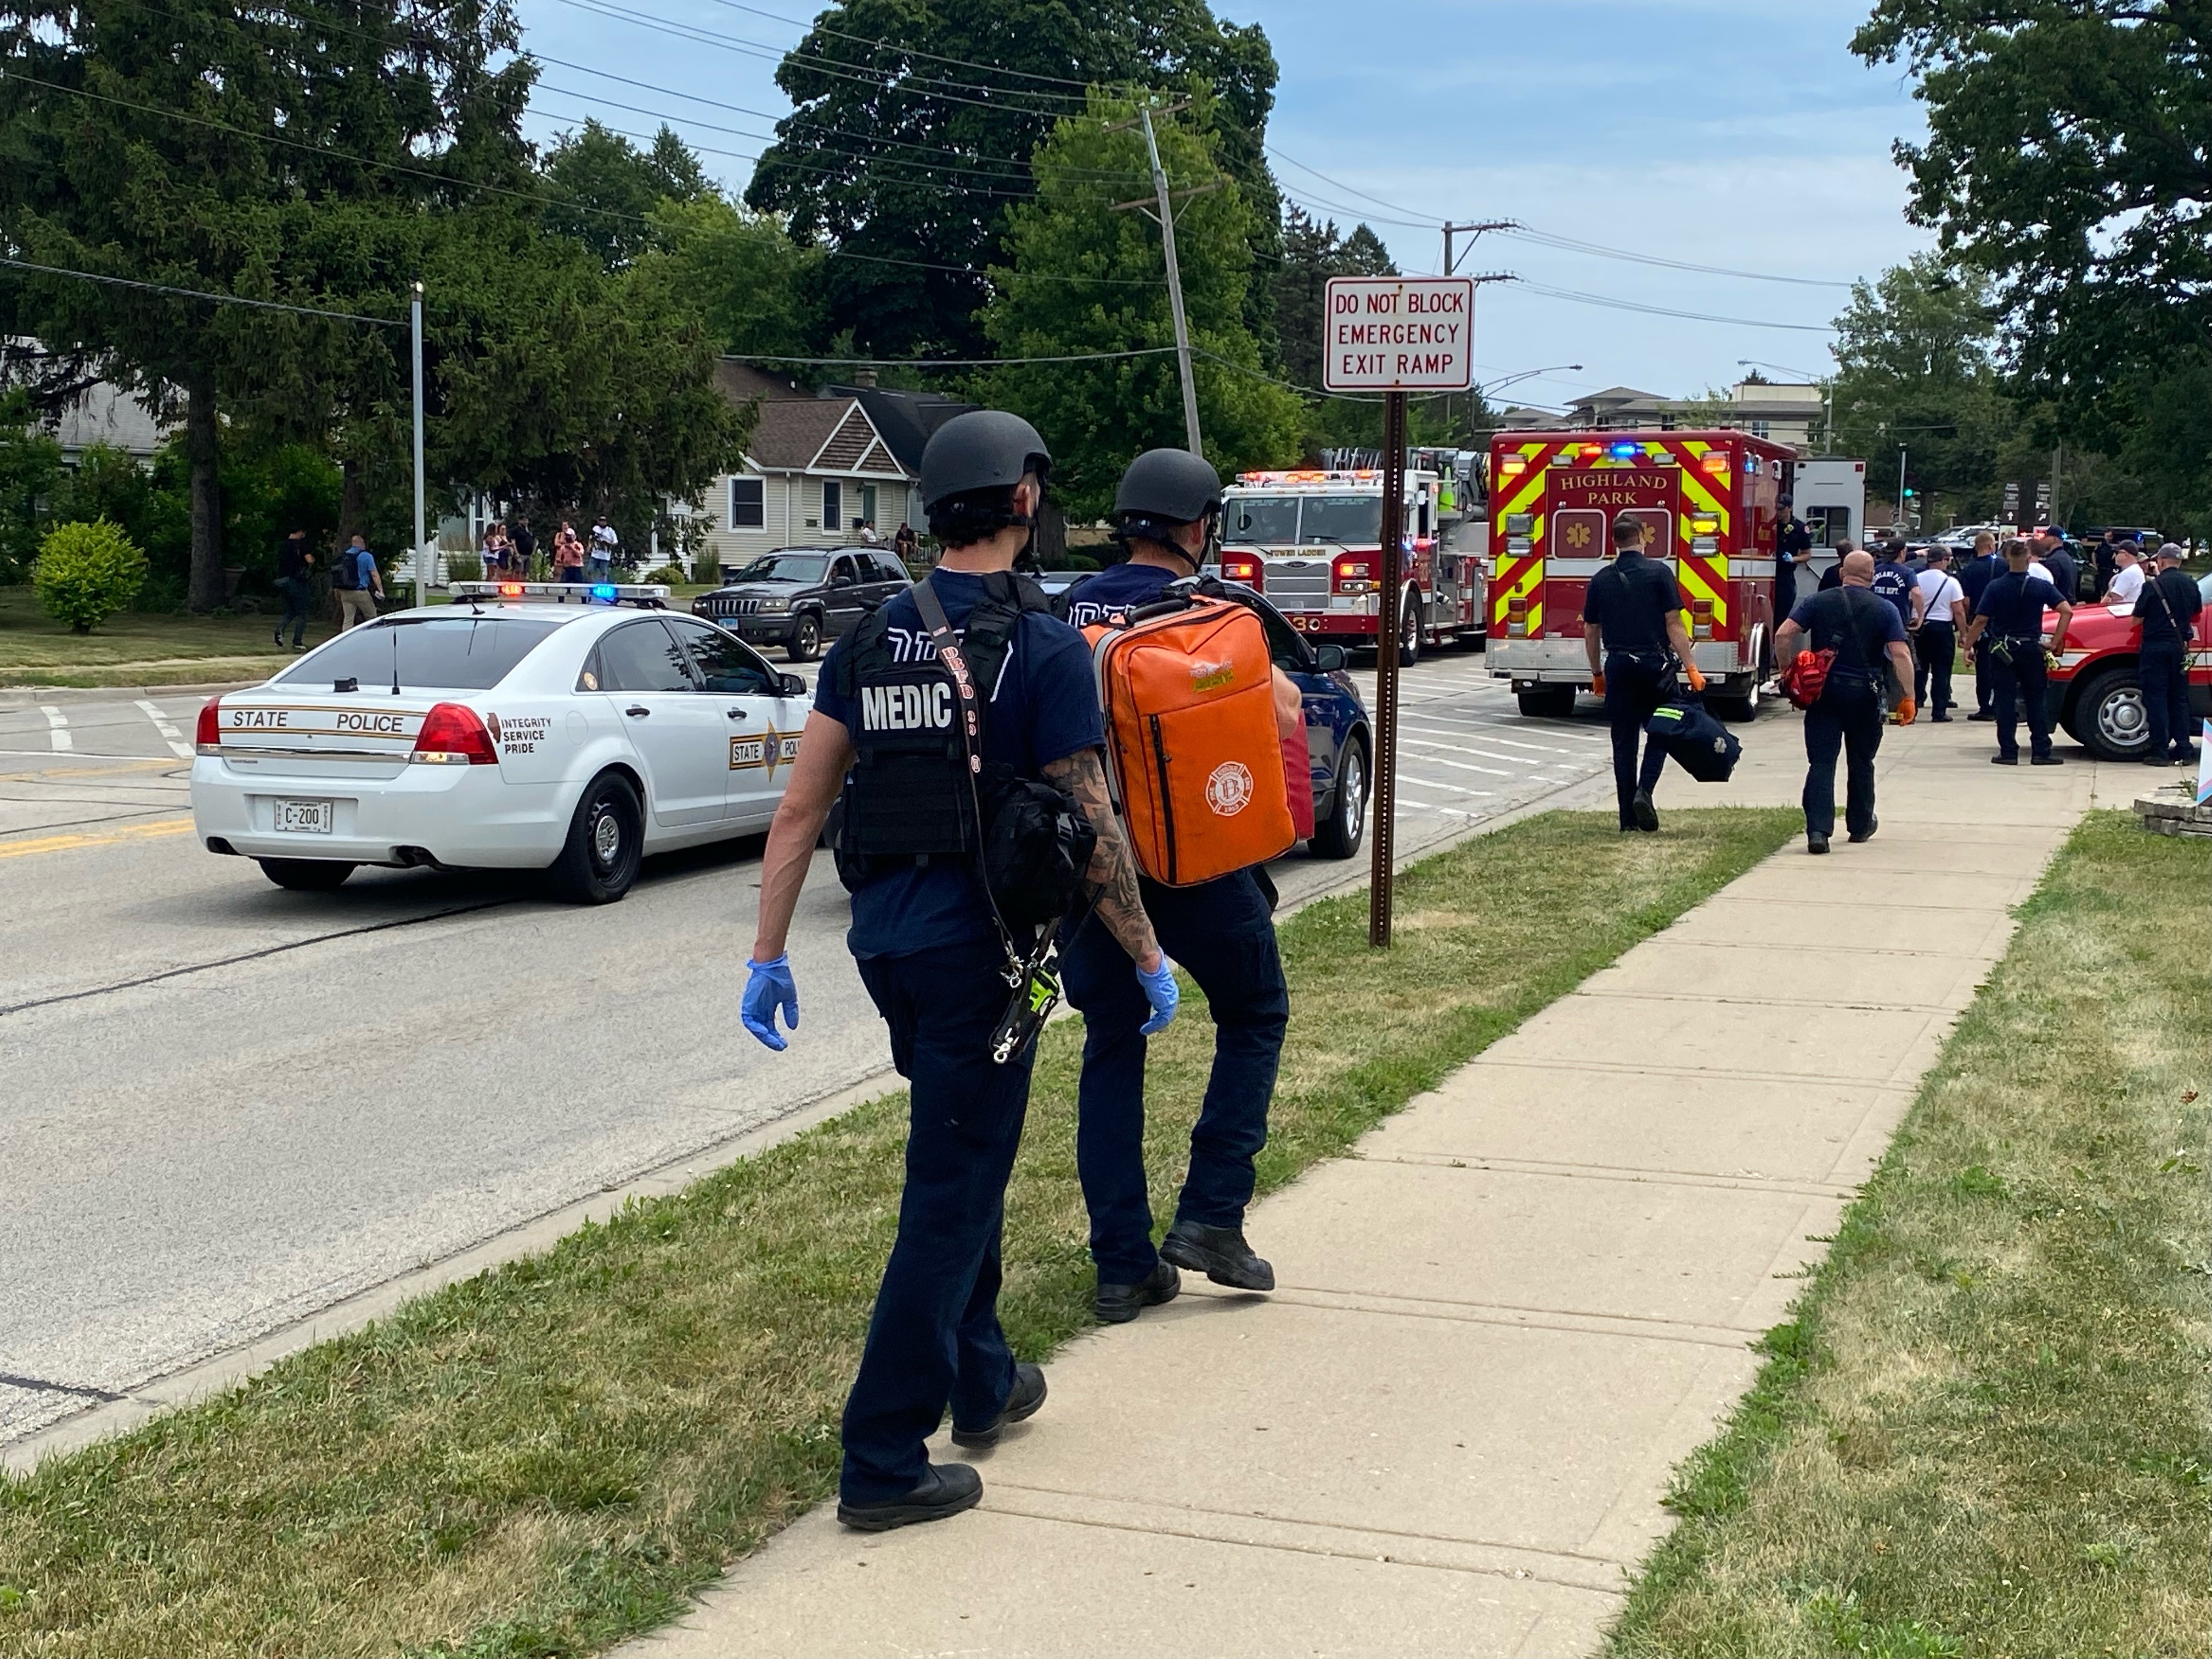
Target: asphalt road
[(224, 1107)]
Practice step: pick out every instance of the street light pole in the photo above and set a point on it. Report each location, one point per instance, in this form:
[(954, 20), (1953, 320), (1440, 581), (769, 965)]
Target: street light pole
[(1900, 487), (425, 566)]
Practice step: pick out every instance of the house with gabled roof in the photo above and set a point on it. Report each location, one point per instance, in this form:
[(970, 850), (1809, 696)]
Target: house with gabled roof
[(820, 464)]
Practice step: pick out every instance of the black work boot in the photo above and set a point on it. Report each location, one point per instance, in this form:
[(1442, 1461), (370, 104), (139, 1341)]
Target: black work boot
[(1219, 1253), (1022, 1402), (1646, 815), (1867, 834), (1117, 1305), (944, 1489)]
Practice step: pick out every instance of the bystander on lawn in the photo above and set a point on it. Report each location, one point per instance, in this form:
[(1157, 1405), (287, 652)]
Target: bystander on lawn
[(1984, 1431), (546, 1457)]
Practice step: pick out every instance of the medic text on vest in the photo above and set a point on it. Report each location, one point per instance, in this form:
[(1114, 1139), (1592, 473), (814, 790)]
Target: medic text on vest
[(906, 707)]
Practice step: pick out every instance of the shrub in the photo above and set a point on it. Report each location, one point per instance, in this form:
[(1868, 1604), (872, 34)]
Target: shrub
[(707, 569), (672, 575), (86, 573), (464, 568)]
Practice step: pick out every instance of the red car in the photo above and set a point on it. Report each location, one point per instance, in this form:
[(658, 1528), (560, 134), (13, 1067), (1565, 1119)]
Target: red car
[(2094, 694)]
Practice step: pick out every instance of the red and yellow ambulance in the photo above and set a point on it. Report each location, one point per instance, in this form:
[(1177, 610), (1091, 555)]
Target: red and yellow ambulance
[(1709, 500)]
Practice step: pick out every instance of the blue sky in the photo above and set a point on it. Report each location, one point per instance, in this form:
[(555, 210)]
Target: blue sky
[(1734, 133)]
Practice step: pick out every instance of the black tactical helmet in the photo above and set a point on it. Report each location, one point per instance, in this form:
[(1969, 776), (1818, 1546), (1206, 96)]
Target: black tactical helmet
[(984, 449), (1170, 487)]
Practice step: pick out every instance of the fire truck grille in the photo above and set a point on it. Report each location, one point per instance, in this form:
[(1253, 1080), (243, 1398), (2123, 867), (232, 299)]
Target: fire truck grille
[(1298, 584)]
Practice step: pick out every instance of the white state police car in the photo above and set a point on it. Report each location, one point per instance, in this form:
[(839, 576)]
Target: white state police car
[(534, 726)]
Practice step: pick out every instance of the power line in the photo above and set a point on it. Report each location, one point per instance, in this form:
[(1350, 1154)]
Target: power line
[(757, 49), (1337, 183), (912, 51), (946, 362), (202, 293), (1568, 244), (1665, 310)]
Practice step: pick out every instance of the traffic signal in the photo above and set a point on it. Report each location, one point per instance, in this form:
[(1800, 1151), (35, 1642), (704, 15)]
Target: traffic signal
[(1910, 493)]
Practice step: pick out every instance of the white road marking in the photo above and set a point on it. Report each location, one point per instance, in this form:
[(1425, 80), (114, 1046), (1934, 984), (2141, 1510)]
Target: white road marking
[(58, 723), (1464, 766), (175, 738)]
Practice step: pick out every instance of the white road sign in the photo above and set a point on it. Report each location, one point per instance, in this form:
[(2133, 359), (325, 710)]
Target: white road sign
[(1399, 334)]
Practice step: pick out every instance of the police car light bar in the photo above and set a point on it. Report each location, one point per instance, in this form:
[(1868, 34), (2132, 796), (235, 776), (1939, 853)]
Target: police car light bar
[(649, 595)]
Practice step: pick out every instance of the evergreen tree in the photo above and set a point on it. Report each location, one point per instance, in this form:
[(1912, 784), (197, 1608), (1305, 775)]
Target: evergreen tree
[(604, 190)]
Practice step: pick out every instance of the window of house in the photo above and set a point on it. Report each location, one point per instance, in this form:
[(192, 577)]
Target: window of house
[(833, 504), (748, 504), (866, 514)]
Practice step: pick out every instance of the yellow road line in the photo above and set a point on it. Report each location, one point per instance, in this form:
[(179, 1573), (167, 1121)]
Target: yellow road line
[(70, 773), (16, 849)]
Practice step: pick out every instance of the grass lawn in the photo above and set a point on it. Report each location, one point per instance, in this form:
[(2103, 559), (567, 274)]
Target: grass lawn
[(546, 1457), (138, 648), (1984, 1431)]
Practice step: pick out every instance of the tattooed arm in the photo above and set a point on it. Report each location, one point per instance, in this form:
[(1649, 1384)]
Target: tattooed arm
[(1113, 867)]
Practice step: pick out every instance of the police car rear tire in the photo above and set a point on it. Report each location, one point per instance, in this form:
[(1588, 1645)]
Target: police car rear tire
[(306, 875), (1338, 835), (805, 641), (605, 844)]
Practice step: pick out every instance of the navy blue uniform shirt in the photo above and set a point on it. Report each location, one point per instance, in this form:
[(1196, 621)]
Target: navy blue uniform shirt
[(1893, 582), (1629, 602), (2015, 603), (2183, 600), (1118, 587), (1043, 709), (1975, 576)]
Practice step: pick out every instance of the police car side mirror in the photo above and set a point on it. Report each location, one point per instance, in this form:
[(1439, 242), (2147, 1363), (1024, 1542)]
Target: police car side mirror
[(1328, 659), (790, 685)]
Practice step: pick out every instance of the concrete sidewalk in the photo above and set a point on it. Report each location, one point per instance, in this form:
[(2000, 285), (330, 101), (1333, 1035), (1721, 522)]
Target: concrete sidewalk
[(1504, 1319)]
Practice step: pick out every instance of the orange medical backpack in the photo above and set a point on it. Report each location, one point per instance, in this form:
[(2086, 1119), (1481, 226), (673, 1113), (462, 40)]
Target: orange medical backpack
[(1191, 741)]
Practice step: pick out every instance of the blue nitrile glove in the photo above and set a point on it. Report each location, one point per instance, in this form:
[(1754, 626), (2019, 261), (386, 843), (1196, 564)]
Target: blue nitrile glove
[(770, 987), (1161, 992)]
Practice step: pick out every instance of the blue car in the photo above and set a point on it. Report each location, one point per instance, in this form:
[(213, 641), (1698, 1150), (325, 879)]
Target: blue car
[(1338, 733)]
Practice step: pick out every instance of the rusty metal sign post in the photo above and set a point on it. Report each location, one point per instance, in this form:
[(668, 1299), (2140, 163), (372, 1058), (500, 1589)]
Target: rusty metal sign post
[(1393, 335), (1382, 812)]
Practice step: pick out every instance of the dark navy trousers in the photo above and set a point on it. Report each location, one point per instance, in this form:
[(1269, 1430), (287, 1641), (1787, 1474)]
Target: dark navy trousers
[(2018, 680), (2161, 667), (1222, 934), (1847, 721), (1632, 688), (934, 1339)]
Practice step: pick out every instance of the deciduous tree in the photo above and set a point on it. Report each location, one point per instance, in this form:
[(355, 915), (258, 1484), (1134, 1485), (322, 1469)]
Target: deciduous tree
[(1085, 281)]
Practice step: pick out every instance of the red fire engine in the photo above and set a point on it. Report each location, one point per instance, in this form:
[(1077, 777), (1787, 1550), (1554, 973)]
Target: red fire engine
[(1709, 501), (1312, 541)]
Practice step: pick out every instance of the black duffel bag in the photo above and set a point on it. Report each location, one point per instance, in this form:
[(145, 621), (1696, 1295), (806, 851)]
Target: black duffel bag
[(1703, 748)]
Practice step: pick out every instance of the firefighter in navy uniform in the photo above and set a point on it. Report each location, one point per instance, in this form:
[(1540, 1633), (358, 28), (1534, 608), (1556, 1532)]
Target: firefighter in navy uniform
[(1793, 564), (1635, 610), (1223, 933), (890, 738), (2007, 625)]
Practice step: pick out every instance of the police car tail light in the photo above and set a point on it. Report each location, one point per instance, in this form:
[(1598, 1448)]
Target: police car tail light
[(1241, 567), (207, 735), (453, 734), (1355, 573)]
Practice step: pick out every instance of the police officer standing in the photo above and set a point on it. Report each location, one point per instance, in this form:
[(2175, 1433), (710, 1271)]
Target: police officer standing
[(1221, 931), (2007, 625), (2065, 570), (890, 732), (1634, 606)]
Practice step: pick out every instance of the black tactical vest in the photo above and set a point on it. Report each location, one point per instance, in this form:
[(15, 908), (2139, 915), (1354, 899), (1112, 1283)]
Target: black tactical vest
[(908, 797)]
